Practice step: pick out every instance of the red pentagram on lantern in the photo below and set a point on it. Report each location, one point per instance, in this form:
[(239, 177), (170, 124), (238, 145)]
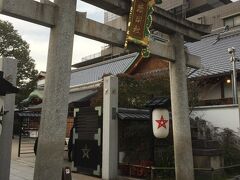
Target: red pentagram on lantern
[(162, 122)]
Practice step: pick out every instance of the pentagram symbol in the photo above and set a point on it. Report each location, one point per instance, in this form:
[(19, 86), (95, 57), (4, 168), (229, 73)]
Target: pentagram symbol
[(85, 151), (161, 122)]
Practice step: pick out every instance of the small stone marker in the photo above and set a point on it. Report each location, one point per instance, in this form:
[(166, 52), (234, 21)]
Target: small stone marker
[(66, 174)]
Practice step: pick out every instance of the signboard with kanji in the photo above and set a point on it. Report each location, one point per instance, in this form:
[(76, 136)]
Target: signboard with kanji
[(140, 20), (137, 22)]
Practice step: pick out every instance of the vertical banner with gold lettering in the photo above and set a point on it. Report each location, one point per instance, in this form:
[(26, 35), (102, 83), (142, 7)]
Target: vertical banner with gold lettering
[(140, 20)]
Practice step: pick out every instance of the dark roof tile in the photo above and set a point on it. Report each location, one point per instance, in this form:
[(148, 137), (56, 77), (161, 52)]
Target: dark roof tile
[(95, 72), (214, 55)]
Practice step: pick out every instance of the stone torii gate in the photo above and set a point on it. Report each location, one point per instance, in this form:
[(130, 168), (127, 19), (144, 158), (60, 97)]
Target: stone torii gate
[(64, 21)]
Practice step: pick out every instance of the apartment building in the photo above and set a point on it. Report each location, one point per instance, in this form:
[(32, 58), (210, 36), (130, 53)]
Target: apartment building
[(187, 8), (228, 15)]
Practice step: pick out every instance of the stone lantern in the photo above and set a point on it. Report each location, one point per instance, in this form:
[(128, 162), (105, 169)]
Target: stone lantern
[(5, 88)]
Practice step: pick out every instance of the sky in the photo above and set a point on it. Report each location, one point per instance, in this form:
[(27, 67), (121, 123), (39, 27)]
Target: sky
[(38, 37)]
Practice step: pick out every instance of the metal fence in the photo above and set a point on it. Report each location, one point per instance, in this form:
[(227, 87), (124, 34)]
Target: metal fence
[(28, 133), (168, 173)]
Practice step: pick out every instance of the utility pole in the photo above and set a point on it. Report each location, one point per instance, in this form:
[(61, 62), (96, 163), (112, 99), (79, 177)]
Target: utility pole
[(233, 60)]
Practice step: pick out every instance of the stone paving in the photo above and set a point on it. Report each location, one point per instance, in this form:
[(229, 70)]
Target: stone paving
[(22, 168)]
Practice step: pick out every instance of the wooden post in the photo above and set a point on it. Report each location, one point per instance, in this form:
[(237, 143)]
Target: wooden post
[(20, 136), (110, 128)]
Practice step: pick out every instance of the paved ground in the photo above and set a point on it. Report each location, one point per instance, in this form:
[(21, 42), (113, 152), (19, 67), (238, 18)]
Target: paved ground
[(22, 168)]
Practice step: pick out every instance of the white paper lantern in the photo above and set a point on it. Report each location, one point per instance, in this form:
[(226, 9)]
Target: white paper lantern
[(160, 123)]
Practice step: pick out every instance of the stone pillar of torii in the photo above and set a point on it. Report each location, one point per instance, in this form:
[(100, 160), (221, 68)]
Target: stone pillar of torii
[(64, 21)]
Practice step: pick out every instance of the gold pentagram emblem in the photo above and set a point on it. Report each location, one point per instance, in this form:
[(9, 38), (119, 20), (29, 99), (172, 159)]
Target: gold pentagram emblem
[(85, 151)]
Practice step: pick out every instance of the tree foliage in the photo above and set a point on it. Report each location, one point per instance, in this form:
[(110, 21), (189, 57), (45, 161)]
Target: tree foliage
[(13, 45), (230, 147), (135, 91)]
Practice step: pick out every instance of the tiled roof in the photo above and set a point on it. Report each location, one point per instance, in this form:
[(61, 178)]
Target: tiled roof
[(95, 72), (161, 102), (28, 114), (214, 54), (133, 114)]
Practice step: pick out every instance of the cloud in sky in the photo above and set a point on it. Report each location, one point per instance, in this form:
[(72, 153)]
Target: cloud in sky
[(38, 37)]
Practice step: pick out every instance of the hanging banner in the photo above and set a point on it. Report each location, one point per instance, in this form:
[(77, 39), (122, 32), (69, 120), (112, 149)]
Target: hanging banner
[(160, 123), (140, 20)]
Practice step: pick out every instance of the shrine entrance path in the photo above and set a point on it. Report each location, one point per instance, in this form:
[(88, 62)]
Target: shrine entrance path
[(22, 168)]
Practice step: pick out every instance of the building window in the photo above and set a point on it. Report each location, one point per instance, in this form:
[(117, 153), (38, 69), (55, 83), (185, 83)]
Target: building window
[(232, 21), (202, 20), (237, 20), (109, 16)]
